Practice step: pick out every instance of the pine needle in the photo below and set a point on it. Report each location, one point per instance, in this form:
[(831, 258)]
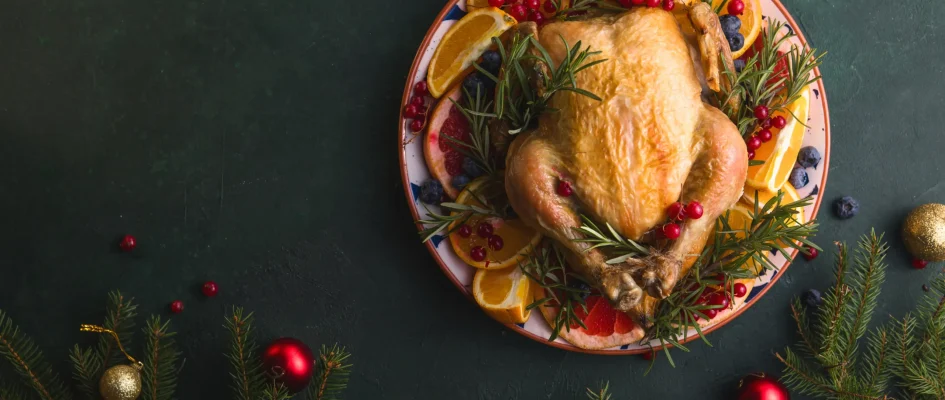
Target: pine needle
[(276, 391), (603, 393), (160, 361), (85, 364), (12, 391), (27, 360), (331, 373), (247, 372), (120, 316)]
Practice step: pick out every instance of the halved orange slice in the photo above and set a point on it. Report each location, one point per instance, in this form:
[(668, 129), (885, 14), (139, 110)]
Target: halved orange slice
[(751, 22), (462, 45), (780, 154), (504, 294)]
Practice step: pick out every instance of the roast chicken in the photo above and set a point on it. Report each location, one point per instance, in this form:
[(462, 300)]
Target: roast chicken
[(651, 141)]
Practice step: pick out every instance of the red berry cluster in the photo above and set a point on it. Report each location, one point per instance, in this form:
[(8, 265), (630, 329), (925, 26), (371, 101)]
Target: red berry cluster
[(486, 231), (417, 109), (764, 135), (718, 298), (526, 10), (677, 213), (668, 5)]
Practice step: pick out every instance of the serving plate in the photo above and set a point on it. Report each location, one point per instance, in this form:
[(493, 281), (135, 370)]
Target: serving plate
[(414, 171)]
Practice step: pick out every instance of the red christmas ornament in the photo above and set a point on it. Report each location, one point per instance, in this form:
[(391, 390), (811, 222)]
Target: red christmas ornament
[(127, 243), (762, 387), (291, 362)]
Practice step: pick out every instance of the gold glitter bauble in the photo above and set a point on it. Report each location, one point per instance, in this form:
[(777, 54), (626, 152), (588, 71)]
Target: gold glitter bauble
[(121, 382), (924, 232)]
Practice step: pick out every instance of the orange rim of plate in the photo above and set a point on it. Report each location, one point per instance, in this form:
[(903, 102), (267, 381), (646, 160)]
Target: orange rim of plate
[(404, 137)]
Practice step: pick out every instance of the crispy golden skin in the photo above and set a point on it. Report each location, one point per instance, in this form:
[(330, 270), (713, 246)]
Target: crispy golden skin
[(650, 142)]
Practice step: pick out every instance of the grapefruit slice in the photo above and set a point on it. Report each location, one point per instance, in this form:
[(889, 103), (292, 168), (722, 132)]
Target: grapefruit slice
[(443, 160), (606, 327)]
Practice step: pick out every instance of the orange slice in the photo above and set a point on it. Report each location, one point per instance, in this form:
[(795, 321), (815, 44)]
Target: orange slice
[(751, 22), (477, 4), (462, 45), (504, 294), (518, 239), (780, 154)]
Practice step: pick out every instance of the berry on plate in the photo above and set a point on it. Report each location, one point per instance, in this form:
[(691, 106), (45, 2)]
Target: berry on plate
[(846, 207), (808, 157)]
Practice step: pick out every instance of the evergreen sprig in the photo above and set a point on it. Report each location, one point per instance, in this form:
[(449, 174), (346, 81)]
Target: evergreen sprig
[(159, 377), (28, 362), (919, 359), (85, 364), (249, 380), (276, 391), (120, 313), (602, 393), (331, 373), (11, 391)]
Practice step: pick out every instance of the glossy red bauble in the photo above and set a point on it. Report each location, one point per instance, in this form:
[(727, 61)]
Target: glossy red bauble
[(127, 243), (762, 387), (290, 362)]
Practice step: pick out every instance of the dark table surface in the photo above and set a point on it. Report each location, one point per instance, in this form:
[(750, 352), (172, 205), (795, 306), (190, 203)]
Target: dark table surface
[(254, 143)]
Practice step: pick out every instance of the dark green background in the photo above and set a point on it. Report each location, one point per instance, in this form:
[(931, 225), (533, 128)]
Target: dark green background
[(254, 143)]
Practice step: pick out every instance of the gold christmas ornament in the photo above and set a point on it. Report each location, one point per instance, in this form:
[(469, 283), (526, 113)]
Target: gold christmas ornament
[(120, 382), (924, 232)]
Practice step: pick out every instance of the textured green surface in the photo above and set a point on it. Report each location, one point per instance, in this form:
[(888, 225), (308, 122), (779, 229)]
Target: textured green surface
[(254, 143)]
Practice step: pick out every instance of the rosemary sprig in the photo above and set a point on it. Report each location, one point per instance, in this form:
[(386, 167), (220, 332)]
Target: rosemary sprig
[(547, 268), (620, 247), (442, 222), (478, 147), (519, 101), (580, 7), (758, 84)]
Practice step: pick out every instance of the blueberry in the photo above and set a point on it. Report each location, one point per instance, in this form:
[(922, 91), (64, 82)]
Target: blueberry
[(846, 207), (460, 181), (471, 167), (476, 81), (808, 157), (799, 178), (813, 298), (431, 191), (739, 65), (730, 24), (491, 61), (736, 41), (580, 285)]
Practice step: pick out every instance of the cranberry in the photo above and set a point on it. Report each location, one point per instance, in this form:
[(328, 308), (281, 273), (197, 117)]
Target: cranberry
[(209, 289), (766, 124), (675, 211), (416, 125), (421, 87), (779, 122), (485, 230), (653, 3), (536, 17), (811, 253), (411, 111), (127, 243), (711, 313), (669, 5), (517, 11), (496, 3), (649, 356), (550, 7), (671, 230), (417, 101), (736, 7), (532, 4), (477, 253), (637, 2), (625, 3), (694, 210), (564, 189), (753, 143), (177, 306), (765, 135), (751, 155), (761, 112), (496, 243), (719, 299), (919, 264), (464, 231), (740, 290)]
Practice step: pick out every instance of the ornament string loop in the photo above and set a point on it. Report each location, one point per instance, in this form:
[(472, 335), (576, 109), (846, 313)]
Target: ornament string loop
[(99, 329)]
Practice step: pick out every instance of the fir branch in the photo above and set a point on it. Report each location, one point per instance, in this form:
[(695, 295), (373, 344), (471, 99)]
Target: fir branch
[(868, 275), (85, 363), (603, 393), (120, 313), (11, 390), (830, 313), (546, 267), (801, 377), (877, 374), (276, 391), (159, 377), (27, 360), (247, 371), (331, 373), (799, 313)]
